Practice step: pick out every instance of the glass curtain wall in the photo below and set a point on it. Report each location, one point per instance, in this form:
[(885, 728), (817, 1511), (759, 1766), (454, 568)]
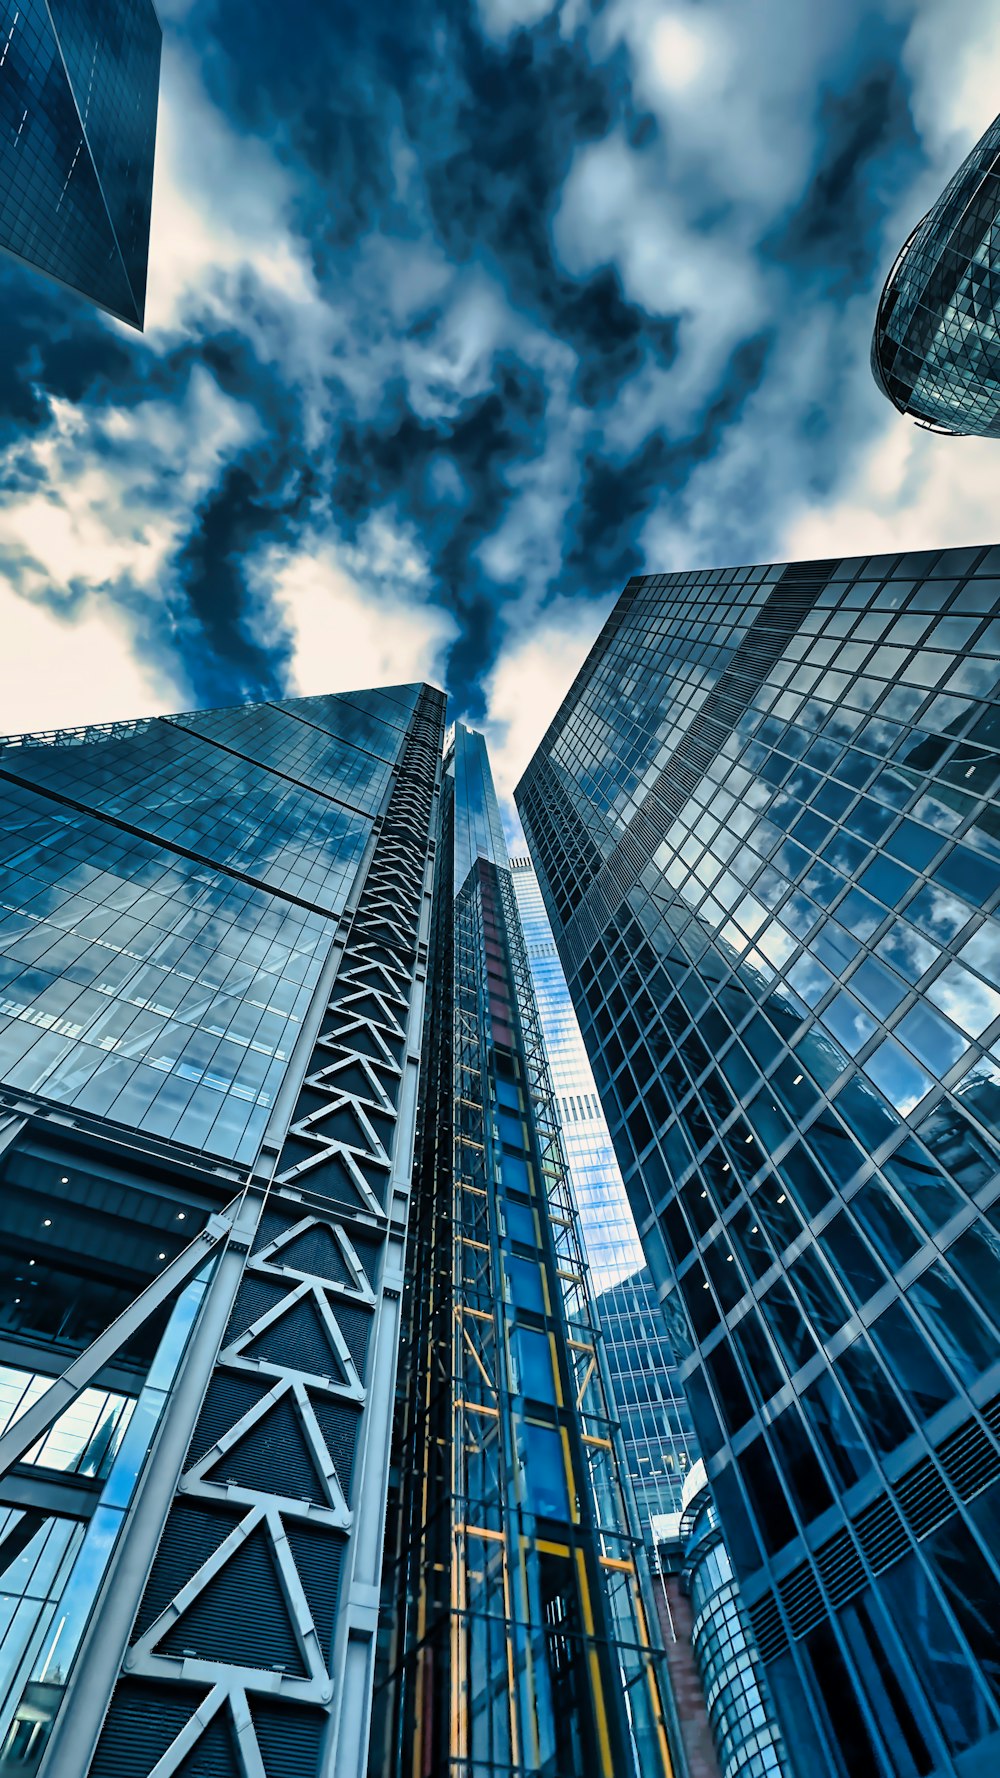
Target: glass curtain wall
[(521, 1642), (642, 1365), (766, 826)]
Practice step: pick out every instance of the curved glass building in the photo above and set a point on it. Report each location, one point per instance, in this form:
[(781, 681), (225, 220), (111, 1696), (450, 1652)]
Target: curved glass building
[(746, 1736), (936, 345)]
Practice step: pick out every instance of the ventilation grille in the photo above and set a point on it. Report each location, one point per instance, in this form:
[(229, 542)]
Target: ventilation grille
[(924, 1498), (881, 1534), (841, 1567), (969, 1460), (920, 1502)]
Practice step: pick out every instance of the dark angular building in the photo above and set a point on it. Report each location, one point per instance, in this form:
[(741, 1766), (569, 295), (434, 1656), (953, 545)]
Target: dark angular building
[(766, 826), (79, 82), (936, 345), (516, 1635), (213, 934)]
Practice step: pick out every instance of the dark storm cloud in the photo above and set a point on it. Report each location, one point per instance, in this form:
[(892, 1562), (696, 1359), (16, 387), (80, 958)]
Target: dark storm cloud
[(407, 126), (867, 145)]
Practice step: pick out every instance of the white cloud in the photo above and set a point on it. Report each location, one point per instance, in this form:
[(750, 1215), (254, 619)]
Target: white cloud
[(344, 636), (61, 671), (105, 493), (220, 203), (911, 490), (533, 674), (619, 207)]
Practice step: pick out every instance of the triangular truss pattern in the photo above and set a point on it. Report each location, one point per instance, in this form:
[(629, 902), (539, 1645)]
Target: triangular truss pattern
[(280, 1436), (240, 1610)]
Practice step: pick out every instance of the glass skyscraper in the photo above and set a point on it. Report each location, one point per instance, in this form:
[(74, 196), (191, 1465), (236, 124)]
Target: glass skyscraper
[(79, 82), (520, 1642), (765, 824), (645, 1381), (213, 932), (936, 344)]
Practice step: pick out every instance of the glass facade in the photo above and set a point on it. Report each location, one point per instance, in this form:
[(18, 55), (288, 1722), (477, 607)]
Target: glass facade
[(79, 82), (520, 1643), (765, 824), (643, 1368), (936, 345), (747, 1740), (212, 936), (166, 899)]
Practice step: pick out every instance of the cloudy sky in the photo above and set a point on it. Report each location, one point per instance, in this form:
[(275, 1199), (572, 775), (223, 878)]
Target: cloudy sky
[(460, 314)]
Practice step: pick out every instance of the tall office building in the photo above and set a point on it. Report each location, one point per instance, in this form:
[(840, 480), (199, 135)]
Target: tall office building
[(708, 1642), (212, 951), (645, 1382), (79, 81), (764, 820), (936, 344), (520, 1643)]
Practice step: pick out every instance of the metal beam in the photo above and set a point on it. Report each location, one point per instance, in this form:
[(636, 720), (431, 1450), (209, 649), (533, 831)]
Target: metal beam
[(99, 1662), (27, 1430)]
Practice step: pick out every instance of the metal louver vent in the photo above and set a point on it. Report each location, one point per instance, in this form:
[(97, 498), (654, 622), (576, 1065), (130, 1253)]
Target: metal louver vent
[(768, 1629), (969, 1460), (923, 1498), (214, 1754), (192, 1534), (355, 1325), (802, 1599), (841, 1567), (230, 1396), (880, 1532), (273, 1457), (289, 1739), (316, 1252), (141, 1724), (241, 1618), (298, 1341)]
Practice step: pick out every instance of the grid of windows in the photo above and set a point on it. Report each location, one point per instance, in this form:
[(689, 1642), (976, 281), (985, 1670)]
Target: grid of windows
[(650, 1402), (936, 349), (786, 974), (78, 96), (166, 903)]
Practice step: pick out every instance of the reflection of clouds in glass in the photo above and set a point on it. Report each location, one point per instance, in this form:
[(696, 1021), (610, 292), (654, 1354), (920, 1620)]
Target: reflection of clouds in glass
[(983, 951), (965, 999), (931, 1038), (877, 987), (897, 1076), (911, 954), (979, 1091), (776, 944), (937, 913), (848, 1022), (810, 979)]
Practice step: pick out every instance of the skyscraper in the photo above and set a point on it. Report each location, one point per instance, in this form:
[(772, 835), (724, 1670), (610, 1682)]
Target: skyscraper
[(79, 81), (936, 344), (764, 820), (645, 1383), (520, 1642), (213, 944), (708, 1642)]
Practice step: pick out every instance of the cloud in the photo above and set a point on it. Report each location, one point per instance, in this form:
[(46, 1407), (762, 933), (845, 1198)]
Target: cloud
[(460, 324), (58, 671), (522, 694), (343, 634)]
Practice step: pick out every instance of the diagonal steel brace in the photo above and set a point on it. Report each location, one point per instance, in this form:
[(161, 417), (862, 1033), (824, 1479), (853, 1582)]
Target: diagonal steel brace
[(27, 1430)]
